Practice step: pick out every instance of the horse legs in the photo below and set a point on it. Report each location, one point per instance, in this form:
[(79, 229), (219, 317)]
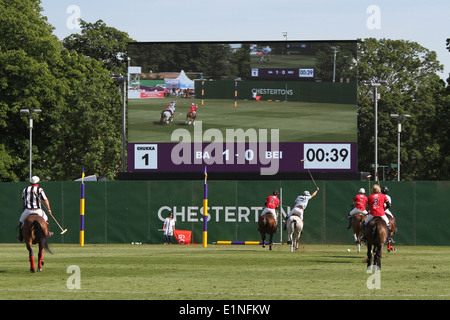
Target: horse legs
[(377, 259), (31, 257), (40, 259), (378, 255), (297, 238), (271, 241), (369, 256), (263, 240), (357, 241), (290, 238), (291, 241)]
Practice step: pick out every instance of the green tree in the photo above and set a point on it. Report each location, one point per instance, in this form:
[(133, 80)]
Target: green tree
[(87, 125), (413, 88), (101, 42), (81, 106), (28, 51), (214, 60), (345, 61)]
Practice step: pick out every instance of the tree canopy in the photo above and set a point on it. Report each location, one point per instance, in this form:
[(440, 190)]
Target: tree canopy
[(413, 88), (101, 42), (80, 122)]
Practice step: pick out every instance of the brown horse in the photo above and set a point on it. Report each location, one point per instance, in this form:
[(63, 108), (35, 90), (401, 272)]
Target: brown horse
[(35, 231), (357, 221), (376, 235), (393, 231), (190, 118), (266, 225)]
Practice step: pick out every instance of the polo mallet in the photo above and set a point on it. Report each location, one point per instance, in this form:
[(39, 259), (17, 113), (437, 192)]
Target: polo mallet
[(303, 160), (48, 211)]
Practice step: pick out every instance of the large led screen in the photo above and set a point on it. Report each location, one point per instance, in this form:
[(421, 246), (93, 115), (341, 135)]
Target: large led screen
[(260, 106)]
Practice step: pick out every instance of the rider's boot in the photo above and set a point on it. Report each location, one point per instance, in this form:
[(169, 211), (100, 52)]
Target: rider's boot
[(363, 237), (349, 221), (389, 237), (49, 232), (20, 236)]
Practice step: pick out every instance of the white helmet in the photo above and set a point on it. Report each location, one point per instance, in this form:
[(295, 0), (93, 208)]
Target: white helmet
[(306, 193), (362, 190), (35, 180)]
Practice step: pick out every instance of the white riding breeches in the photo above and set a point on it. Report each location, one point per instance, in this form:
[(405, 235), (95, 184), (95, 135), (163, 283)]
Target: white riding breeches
[(27, 212), (370, 217), (272, 211), (298, 211), (355, 210)]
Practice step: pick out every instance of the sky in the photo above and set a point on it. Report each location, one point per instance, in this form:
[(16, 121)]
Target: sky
[(424, 22)]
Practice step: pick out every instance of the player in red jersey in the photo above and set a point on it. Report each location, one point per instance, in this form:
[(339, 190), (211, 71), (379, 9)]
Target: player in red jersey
[(272, 204), (194, 109), (359, 203), (378, 202)]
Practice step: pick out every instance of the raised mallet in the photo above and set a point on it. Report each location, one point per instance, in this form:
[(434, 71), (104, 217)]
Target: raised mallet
[(303, 160), (45, 205)]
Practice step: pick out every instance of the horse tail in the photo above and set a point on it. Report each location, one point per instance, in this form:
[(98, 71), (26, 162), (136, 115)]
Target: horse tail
[(374, 231), (42, 236)]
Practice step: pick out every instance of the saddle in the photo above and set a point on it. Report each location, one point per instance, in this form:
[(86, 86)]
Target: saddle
[(296, 214)]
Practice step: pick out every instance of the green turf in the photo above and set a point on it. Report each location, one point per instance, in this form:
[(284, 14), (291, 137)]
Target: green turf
[(296, 121), (283, 61), (223, 272)]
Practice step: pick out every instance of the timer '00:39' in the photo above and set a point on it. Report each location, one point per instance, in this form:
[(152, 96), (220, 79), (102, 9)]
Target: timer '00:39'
[(327, 156)]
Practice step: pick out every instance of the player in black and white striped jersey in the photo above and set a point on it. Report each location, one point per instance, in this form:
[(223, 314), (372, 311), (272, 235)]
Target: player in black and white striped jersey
[(32, 204)]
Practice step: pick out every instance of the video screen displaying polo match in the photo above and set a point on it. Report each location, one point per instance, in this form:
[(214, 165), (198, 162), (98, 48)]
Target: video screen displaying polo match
[(242, 106)]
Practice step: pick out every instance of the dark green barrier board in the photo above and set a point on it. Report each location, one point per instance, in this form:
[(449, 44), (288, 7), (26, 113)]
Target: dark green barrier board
[(133, 211)]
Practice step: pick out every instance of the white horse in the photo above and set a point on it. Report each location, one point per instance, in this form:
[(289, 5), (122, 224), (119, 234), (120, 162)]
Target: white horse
[(165, 117), (294, 228)]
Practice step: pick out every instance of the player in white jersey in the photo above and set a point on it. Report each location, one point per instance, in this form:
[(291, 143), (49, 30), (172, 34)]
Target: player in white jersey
[(300, 204), (32, 204)]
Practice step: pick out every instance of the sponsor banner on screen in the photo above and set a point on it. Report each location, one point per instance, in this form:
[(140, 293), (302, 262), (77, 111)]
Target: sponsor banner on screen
[(134, 94)]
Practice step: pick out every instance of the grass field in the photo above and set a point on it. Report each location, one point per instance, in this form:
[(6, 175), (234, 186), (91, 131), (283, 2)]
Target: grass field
[(296, 121), (158, 272), (283, 61)]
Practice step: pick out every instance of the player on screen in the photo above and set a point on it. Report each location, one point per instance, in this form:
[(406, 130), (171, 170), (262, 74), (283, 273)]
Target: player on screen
[(194, 109), (171, 108)]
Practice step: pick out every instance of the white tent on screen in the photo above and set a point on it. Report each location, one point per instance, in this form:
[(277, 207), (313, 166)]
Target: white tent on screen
[(181, 82)]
